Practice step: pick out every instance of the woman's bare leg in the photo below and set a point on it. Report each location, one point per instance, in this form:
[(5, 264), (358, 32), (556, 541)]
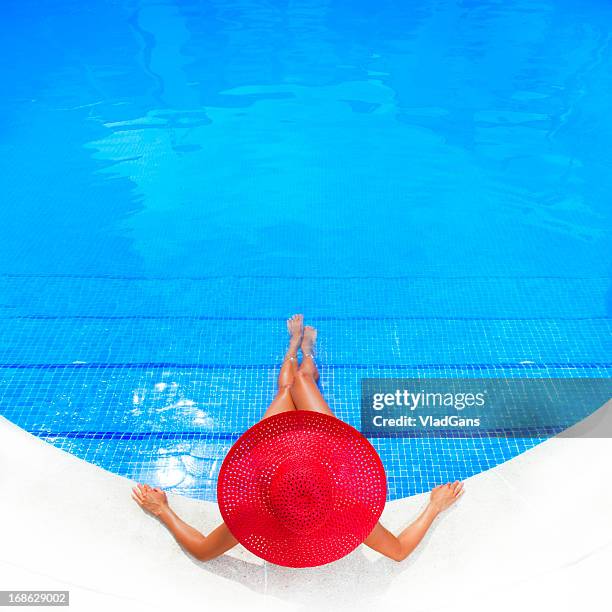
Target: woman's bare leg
[(283, 401), (305, 392), (220, 540)]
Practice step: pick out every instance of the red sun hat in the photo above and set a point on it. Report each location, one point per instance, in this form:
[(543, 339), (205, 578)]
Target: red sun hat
[(301, 489)]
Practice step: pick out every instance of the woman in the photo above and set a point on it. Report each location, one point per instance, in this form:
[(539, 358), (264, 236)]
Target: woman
[(305, 496)]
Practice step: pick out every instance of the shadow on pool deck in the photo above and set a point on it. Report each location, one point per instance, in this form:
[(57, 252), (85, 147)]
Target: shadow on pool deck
[(355, 577)]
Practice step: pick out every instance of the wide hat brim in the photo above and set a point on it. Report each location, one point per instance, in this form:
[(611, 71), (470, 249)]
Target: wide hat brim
[(301, 489)]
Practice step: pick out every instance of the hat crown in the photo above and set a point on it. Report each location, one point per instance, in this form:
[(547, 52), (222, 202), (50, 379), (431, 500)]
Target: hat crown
[(301, 488), (300, 494)]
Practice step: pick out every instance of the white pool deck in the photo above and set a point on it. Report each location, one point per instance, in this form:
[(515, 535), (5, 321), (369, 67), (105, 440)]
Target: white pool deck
[(532, 534)]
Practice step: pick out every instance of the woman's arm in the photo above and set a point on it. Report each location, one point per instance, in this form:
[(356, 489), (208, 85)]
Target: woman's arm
[(399, 547), (202, 547)]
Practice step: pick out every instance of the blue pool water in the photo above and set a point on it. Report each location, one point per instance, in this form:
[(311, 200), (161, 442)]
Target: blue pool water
[(427, 181)]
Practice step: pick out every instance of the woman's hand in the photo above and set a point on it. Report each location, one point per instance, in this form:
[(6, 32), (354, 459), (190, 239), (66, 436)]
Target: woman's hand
[(398, 548), (446, 495), (152, 500)]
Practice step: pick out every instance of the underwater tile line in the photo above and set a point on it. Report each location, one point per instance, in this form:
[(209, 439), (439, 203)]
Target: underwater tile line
[(332, 366), (233, 435), (37, 317), (300, 277)]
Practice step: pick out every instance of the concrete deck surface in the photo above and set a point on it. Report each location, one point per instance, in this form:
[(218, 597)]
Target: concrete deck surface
[(533, 533)]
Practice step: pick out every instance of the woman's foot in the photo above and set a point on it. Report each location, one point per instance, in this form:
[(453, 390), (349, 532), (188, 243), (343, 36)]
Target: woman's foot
[(308, 365), (295, 327), (308, 341)]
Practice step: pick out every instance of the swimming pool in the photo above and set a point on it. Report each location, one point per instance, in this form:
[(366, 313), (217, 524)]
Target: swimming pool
[(425, 181)]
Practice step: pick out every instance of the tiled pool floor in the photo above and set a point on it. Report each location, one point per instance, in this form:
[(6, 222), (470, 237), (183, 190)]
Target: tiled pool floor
[(155, 378)]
